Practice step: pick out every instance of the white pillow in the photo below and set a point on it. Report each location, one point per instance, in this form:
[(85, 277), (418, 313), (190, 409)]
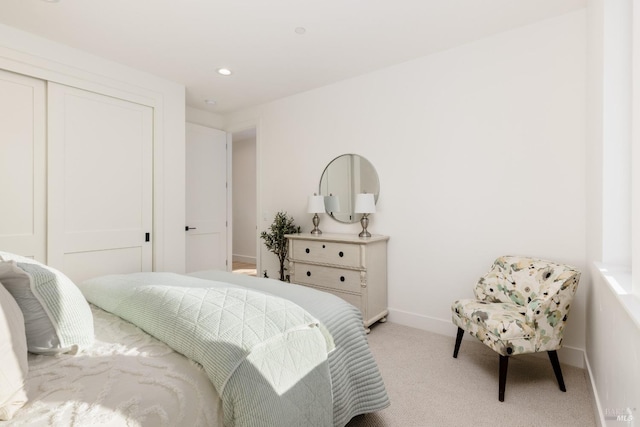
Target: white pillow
[(8, 256), (57, 316), (13, 356)]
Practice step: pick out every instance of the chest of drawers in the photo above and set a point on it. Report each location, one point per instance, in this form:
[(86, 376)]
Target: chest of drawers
[(345, 265)]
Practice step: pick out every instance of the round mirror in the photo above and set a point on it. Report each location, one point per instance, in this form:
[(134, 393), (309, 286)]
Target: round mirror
[(343, 178)]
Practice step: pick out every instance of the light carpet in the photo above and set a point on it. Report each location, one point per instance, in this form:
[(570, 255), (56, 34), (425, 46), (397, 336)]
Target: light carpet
[(428, 387)]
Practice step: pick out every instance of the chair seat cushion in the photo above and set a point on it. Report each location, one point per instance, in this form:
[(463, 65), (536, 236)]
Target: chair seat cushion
[(501, 326)]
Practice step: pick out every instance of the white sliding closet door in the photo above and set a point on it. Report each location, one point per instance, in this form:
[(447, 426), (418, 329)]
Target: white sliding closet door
[(100, 183), (22, 166)]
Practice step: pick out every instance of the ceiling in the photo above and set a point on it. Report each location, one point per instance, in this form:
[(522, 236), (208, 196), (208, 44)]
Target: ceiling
[(186, 41)]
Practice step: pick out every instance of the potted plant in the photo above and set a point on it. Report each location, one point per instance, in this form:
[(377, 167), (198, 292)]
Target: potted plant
[(275, 241)]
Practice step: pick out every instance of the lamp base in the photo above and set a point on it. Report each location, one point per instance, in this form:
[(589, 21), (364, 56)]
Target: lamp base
[(364, 233), (316, 221), (364, 221)]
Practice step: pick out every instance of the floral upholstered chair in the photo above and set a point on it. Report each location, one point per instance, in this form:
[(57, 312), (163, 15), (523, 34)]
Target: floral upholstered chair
[(521, 306)]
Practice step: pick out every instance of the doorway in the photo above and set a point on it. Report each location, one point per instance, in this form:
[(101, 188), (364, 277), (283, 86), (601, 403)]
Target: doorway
[(244, 196)]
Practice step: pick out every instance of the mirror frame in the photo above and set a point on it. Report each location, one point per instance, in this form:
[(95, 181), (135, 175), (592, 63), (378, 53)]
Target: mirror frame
[(353, 185)]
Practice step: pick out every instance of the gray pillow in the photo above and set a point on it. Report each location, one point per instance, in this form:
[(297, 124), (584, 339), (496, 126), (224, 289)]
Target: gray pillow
[(57, 316)]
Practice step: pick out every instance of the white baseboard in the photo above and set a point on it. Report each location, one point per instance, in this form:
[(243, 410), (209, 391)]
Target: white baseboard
[(600, 421), (244, 258), (569, 355), (420, 321)]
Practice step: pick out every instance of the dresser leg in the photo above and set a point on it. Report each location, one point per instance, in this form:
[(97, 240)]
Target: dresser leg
[(367, 330), (384, 319)]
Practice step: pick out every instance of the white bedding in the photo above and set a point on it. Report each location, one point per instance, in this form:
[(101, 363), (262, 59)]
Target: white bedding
[(127, 378), (266, 356)]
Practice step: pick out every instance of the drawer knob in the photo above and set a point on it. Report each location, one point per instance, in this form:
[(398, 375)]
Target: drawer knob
[(308, 274), (341, 254), (307, 250), (342, 278)]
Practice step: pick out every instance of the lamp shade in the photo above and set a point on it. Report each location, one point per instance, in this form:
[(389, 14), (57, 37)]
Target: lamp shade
[(332, 203), (316, 204), (365, 203)]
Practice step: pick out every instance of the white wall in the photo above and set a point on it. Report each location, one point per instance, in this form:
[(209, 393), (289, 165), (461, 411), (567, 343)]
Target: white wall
[(480, 152), (613, 336), (613, 353), (204, 118), (616, 131)]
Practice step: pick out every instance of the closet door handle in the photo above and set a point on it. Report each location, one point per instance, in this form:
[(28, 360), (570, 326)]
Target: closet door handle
[(187, 228)]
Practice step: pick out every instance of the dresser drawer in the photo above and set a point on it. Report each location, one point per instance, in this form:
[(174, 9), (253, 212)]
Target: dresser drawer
[(353, 268), (334, 253), (328, 277)]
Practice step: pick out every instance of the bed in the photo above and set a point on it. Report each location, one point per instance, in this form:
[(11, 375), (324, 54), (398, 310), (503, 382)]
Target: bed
[(325, 373)]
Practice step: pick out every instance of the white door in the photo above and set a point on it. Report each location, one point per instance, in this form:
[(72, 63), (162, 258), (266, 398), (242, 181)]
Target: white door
[(206, 199), (22, 166), (99, 183)]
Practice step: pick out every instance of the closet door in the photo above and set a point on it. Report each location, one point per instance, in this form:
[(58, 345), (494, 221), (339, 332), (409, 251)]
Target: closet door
[(99, 183), (22, 166)]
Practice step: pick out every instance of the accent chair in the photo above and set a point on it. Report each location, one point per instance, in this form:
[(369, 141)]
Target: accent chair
[(521, 306)]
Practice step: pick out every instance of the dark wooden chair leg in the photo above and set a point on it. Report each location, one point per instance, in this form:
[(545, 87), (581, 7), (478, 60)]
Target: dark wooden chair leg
[(504, 364), (458, 341), (553, 356)]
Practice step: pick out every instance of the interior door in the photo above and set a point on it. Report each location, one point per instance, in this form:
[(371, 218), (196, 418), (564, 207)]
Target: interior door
[(22, 166), (206, 199), (99, 183)]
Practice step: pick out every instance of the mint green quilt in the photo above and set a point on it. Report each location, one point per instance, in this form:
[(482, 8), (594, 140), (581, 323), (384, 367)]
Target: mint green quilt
[(265, 355), (356, 383)]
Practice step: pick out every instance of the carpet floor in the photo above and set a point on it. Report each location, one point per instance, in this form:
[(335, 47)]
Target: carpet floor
[(428, 387)]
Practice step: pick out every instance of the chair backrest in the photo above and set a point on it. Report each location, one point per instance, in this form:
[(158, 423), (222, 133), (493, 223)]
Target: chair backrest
[(520, 280)]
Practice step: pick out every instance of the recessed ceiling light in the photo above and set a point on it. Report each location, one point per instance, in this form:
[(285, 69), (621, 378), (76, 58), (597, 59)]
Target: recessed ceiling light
[(224, 71), (210, 101), (300, 30), (51, 1)]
